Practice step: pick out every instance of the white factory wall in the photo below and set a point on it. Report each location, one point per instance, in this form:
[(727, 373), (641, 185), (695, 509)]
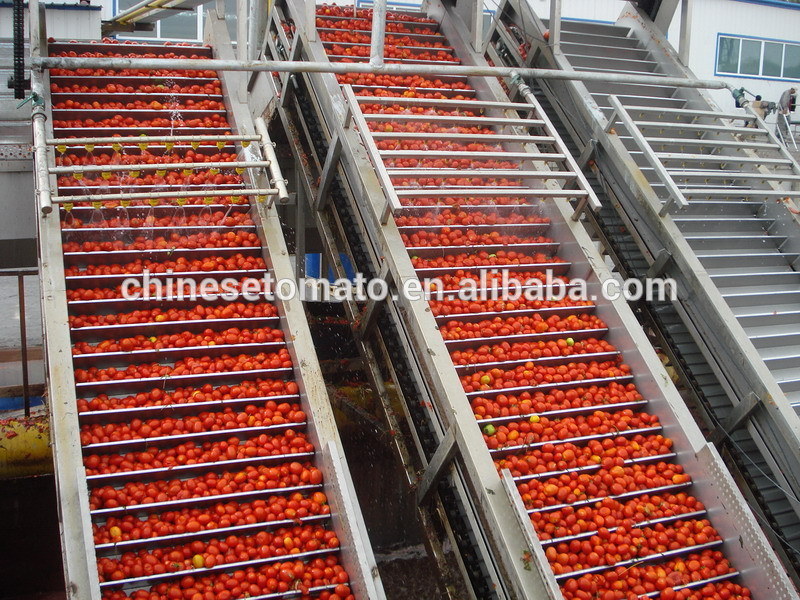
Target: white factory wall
[(586, 10), (754, 19), (65, 20), (765, 20)]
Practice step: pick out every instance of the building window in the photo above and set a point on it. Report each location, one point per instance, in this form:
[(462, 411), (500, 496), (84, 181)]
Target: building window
[(183, 25), (758, 58)]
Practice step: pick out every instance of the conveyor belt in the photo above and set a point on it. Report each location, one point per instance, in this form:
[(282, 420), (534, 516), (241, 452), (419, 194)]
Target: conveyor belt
[(696, 373), (207, 463), (756, 461), (570, 401)]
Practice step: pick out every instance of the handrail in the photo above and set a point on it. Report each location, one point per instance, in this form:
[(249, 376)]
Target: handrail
[(788, 131), (530, 99), (774, 138), (675, 194), (354, 109), (234, 191)]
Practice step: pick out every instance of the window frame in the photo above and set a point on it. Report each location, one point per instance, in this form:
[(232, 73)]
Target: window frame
[(762, 41), (199, 15)]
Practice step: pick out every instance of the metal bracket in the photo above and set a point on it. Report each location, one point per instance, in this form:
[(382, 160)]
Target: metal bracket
[(587, 154), (584, 158), (387, 212), (612, 120), (286, 78), (112, 27), (347, 119), (438, 464), (373, 306), (736, 418), (320, 200), (660, 263)]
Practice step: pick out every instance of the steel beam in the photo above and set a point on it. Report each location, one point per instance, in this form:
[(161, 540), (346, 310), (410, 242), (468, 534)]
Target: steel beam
[(378, 33), (66, 62)]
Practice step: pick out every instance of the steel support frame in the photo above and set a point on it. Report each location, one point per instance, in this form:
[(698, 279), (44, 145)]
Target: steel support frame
[(642, 356), (500, 527), (427, 346), (327, 223), (777, 426), (656, 42), (686, 30), (378, 33), (658, 261), (79, 561), (554, 39)]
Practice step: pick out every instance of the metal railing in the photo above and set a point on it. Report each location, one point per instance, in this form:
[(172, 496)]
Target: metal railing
[(20, 274), (620, 114), (783, 129)]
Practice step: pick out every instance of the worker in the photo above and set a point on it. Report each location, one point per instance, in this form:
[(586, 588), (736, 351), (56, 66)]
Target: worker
[(759, 107), (785, 105)]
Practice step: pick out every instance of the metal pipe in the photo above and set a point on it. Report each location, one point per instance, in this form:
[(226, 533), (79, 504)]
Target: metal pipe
[(23, 336), (38, 118), (151, 139), (242, 43), (137, 9), (34, 27), (181, 194), (378, 33), (276, 177), (555, 24), (66, 62), (686, 31), (252, 28)]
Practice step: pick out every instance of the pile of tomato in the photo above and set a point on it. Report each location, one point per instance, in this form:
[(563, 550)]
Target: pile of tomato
[(555, 403), (140, 158), (172, 241), (237, 262), (208, 218), (200, 312), (212, 88), (500, 258), (136, 125), (248, 389), (217, 423), (248, 479), (169, 289), (185, 339)]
